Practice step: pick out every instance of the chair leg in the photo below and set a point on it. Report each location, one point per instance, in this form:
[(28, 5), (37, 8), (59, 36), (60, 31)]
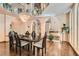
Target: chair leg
[(20, 51), (28, 47), (10, 46), (31, 45), (23, 47), (45, 51), (42, 52), (13, 47), (16, 49), (33, 50), (38, 51)]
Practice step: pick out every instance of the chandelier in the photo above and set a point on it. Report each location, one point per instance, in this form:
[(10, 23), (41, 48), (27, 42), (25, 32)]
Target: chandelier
[(36, 11), (24, 17)]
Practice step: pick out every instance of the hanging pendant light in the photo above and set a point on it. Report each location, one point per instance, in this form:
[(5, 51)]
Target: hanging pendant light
[(24, 17)]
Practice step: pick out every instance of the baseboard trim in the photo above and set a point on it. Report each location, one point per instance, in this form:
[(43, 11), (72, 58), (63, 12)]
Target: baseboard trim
[(3, 41), (72, 48)]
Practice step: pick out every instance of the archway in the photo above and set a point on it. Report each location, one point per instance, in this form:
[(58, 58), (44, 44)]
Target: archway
[(36, 26)]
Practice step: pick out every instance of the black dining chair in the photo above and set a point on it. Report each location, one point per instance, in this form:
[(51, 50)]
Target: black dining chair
[(27, 34), (20, 43), (39, 36), (40, 45), (12, 41), (33, 35)]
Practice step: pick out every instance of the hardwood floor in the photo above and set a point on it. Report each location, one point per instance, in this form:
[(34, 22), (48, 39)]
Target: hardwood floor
[(53, 49)]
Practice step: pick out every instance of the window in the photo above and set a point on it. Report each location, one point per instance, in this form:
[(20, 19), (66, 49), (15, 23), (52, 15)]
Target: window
[(7, 6), (78, 27)]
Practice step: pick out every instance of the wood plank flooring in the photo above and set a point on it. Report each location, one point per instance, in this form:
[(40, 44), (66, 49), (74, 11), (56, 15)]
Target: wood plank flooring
[(53, 49)]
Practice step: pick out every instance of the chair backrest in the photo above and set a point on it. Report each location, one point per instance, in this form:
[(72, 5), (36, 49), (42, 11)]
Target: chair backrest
[(44, 40), (33, 35), (27, 34), (17, 39), (11, 37), (39, 36)]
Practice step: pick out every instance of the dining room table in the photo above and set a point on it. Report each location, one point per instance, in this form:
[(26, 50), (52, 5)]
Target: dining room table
[(31, 40)]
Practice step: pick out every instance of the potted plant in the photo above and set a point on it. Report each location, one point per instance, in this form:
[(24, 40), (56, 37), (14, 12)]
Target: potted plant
[(64, 28), (50, 37)]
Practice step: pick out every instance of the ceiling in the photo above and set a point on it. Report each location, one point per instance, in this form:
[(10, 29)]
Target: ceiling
[(53, 8), (17, 5), (57, 9)]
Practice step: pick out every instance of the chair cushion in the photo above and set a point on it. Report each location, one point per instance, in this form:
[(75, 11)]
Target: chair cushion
[(14, 42), (23, 43), (38, 44)]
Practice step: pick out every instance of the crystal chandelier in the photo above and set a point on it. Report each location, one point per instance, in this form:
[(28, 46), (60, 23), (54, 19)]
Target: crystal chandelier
[(36, 11)]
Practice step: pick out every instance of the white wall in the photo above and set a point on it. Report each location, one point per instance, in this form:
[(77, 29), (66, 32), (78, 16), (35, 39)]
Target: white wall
[(22, 27), (1, 27), (9, 20), (74, 25), (42, 20), (5, 21), (19, 26), (58, 21)]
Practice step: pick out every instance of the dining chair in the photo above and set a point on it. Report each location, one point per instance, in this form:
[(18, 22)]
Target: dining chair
[(33, 34), (20, 43), (40, 45), (27, 34), (11, 41), (39, 36)]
